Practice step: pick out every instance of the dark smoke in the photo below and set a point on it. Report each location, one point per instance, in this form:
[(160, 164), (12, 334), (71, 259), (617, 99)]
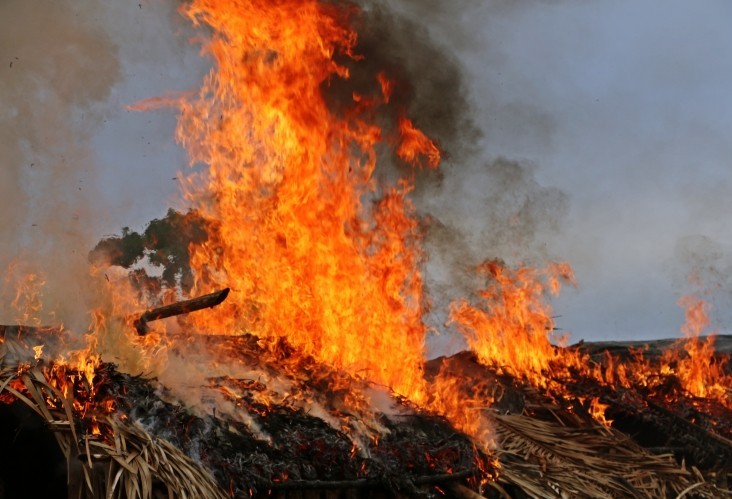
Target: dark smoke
[(479, 204), (59, 64), (428, 84), (55, 66)]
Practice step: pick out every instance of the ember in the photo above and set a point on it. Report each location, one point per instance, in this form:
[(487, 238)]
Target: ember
[(105, 424)]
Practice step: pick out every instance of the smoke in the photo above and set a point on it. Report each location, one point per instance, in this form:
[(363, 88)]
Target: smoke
[(428, 78), (480, 204), (703, 266), (63, 64), (56, 67), (619, 104), (77, 164)]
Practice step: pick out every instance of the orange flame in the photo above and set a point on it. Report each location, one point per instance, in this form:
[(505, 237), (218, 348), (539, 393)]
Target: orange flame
[(415, 143), (462, 409), (694, 363), (308, 252), (28, 300), (691, 361), (512, 328), (511, 331), (597, 411)]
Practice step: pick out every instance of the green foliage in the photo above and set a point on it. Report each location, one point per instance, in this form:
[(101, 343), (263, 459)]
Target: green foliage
[(163, 244)]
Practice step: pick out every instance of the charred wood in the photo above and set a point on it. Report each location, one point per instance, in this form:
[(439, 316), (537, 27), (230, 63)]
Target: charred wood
[(377, 483), (182, 307), (462, 492)]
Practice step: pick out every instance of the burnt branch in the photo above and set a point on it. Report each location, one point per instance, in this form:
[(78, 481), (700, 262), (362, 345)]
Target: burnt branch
[(182, 307)]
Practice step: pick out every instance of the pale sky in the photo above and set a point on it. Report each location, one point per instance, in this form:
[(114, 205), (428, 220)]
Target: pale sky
[(623, 105), (638, 94)]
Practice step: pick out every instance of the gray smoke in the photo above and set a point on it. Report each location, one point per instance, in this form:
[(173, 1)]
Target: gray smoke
[(703, 266), (56, 66), (620, 104), (77, 164), (480, 204)]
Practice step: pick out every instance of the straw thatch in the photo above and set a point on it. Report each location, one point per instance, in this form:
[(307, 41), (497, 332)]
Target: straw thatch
[(417, 452), (126, 463), (544, 451), (547, 459), (550, 447)]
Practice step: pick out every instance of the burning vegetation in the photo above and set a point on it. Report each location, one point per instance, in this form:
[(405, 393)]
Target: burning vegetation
[(308, 375)]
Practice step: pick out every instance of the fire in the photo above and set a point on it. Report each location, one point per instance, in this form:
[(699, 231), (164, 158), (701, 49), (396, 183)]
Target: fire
[(66, 385), (597, 410), (314, 248), (319, 252), (464, 412), (415, 143), (697, 370), (691, 361), (323, 256), (28, 300), (511, 331), (512, 328)]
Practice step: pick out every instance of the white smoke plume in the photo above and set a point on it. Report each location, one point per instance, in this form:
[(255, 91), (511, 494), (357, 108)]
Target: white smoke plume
[(77, 165), (57, 65)]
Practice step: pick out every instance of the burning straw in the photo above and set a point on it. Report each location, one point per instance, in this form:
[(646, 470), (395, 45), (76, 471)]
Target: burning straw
[(108, 455)]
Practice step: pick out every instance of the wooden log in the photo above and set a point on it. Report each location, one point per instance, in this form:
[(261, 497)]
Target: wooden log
[(182, 307)]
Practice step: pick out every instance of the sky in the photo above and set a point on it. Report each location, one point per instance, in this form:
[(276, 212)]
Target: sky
[(631, 99), (612, 118)]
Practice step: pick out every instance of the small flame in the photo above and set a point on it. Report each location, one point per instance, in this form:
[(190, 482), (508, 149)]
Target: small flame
[(28, 300), (511, 328), (694, 362), (414, 143), (597, 411)]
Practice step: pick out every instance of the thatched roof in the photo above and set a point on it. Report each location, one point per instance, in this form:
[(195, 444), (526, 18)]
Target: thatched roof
[(551, 447), (131, 463), (544, 449)]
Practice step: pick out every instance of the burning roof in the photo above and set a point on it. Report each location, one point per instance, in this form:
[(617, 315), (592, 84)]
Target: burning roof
[(313, 375), (128, 436)]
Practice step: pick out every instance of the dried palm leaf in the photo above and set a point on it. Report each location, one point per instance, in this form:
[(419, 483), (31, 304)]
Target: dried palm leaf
[(130, 464), (546, 459)]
